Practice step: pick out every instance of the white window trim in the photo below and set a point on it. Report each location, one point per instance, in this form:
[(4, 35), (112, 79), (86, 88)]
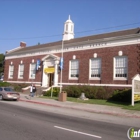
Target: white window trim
[(114, 63), (93, 78), (19, 71), (30, 72), (9, 72), (71, 78)]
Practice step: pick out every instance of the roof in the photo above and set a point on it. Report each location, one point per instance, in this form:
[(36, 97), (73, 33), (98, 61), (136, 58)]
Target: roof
[(78, 40)]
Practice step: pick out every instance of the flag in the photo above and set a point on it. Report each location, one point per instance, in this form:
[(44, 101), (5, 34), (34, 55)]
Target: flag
[(61, 63)]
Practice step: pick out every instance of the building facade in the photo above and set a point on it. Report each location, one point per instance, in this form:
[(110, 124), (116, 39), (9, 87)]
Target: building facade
[(110, 59)]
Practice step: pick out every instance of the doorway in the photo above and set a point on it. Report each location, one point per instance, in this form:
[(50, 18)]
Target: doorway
[(50, 79)]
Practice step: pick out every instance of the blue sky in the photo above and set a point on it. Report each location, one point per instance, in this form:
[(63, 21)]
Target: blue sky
[(34, 21)]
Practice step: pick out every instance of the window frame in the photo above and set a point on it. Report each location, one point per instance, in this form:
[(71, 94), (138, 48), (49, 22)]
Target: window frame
[(30, 73), (19, 71), (11, 69), (114, 68), (90, 69), (70, 64)]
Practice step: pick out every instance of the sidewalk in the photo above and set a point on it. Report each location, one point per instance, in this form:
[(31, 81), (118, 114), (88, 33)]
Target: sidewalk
[(103, 109)]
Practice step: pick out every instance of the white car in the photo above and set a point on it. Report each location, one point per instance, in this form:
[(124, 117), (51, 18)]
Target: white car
[(8, 93)]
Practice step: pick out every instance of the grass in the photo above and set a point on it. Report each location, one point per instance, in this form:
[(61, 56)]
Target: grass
[(101, 102)]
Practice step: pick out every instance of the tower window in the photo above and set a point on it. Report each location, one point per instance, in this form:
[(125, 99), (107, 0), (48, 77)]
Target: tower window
[(71, 28), (66, 27)]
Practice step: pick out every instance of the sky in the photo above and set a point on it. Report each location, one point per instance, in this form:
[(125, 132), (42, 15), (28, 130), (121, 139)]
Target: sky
[(42, 21)]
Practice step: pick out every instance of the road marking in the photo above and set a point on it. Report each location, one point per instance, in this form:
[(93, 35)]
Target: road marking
[(78, 132)]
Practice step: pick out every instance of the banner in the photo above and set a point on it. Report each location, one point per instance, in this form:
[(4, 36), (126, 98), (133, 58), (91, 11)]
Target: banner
[(61, 63), (37, 64)]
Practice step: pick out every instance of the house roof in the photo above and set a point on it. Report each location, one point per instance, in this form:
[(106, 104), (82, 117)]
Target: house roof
[(77, 40)]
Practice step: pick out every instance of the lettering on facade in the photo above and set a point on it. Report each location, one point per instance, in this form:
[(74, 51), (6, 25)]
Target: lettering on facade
[(87, 46)]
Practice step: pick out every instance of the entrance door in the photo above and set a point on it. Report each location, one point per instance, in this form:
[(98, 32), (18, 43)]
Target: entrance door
[(51, 79)]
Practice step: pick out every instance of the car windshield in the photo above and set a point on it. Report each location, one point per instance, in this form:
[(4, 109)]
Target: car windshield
[(8, 89)]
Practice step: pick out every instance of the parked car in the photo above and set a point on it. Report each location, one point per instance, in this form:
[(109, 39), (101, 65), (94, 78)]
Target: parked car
[(8, 93)]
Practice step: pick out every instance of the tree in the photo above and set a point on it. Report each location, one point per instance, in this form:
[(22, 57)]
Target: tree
[(2, 57)]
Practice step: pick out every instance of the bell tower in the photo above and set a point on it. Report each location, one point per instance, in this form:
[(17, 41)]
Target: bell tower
[(68, 30)]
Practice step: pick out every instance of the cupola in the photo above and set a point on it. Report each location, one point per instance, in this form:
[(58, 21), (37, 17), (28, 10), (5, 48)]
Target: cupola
[(68, 30)]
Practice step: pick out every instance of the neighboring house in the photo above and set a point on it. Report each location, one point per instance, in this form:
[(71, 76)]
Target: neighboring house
[(109, 59)]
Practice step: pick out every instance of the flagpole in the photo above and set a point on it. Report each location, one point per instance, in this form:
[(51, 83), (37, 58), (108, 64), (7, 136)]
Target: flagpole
[(61, 67)]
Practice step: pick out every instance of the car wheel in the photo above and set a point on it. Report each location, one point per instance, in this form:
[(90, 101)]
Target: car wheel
[(1, 97), (16, 99)]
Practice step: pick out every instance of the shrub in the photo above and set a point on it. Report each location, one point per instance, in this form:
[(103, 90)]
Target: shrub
[(47, 93), (55, 92), (121, 95), (91, 92), (73, 91), (4, 84), (96, 92), (18, 87)]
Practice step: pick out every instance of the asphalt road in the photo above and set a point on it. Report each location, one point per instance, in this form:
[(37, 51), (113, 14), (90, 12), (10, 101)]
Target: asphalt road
[(28, 123)]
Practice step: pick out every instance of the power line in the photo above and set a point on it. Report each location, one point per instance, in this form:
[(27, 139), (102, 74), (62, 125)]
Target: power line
[(75, 32), (110, 27)]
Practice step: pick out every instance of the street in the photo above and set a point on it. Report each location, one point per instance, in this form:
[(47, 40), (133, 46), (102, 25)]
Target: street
[(28, 123)]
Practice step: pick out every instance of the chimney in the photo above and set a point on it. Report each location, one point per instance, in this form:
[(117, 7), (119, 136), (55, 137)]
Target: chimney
[(22, 44)]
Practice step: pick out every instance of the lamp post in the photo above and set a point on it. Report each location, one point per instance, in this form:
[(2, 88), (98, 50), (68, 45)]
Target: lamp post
[(61, 66)]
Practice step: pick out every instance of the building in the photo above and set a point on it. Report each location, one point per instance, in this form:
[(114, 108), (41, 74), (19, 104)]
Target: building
[(109, 59)]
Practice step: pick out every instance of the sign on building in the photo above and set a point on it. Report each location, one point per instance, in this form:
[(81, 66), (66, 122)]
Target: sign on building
[(37, 64), (135, 89), (61, 63)]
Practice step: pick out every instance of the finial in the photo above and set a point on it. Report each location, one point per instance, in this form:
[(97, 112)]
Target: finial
[(69, 17)]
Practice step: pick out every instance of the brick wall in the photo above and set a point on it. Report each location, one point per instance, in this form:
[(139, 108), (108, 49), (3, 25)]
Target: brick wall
[(26, 62), (106, 55)]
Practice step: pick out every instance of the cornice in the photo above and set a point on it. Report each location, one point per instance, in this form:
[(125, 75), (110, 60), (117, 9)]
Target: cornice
[(84, 45)]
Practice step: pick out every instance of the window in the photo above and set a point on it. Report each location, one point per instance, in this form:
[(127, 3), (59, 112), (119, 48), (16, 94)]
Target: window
[(66, 27), (121, 68), (74, 69), (21, 71), (8, 89), (95, 68), (71, 28), (11, 71), (32, 70)]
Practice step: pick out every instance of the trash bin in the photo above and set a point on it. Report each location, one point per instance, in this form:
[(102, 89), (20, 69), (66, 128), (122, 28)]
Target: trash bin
[(62, 96)]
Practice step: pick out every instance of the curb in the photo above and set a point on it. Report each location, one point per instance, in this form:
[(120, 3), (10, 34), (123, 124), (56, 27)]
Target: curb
[(87, 110)]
